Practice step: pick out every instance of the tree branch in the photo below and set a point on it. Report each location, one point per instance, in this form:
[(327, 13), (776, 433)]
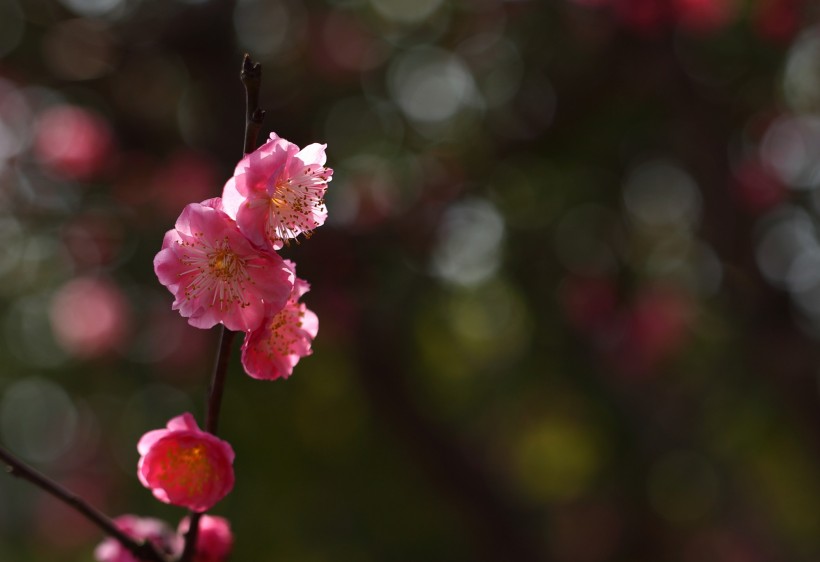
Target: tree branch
[(142, 550), (251, 77)]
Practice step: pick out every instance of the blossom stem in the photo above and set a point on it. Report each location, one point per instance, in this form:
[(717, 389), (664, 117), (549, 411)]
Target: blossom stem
[(218, 380), (142, 550), (251, 77), (214, 406)]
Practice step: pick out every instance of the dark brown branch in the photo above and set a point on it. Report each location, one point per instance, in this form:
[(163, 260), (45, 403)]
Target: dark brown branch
[(217, 387), (251, 77), (214, 406), (142, 550)]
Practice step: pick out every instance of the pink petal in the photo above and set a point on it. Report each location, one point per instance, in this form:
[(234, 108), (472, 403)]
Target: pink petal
[(215, 539), (251, 220), (310, 323), (147, 441), (232, 199), (183, 422), (313, 154), (213, 203)]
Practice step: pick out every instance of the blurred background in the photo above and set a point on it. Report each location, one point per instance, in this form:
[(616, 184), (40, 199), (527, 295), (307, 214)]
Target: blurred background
[(569, 289)]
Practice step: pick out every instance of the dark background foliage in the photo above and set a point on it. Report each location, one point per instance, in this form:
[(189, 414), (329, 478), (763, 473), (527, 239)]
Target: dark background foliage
[(569, 290)]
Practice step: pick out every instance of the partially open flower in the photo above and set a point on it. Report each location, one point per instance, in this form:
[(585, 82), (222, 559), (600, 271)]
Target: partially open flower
[(277, 192), (216, 274), (140, 528), (285, 337), (183, 465), (214, 541)]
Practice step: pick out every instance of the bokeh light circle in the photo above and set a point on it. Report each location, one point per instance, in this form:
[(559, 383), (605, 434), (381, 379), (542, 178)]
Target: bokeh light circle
[(38, 420)]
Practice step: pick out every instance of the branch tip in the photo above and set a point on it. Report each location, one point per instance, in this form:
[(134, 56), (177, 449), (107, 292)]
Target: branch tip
[(250, 70)]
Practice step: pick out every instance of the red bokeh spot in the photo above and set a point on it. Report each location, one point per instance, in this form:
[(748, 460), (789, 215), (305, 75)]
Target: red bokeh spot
[(73, 143)]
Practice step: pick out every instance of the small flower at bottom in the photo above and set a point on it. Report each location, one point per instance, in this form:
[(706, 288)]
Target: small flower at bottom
[(216, 274), (273, 350), (277, 192), (141, 528), (214, 541), (185, 466)]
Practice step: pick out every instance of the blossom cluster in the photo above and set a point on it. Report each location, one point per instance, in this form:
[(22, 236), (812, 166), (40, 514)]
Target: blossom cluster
[(214, 541), (220, 260), (221, 263)]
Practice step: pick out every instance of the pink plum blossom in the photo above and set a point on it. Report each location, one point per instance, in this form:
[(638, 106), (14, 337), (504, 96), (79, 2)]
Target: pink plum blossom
[(285, 337), (277, 192), (185, 466), (140, 528), (216, 274), (214, 541)]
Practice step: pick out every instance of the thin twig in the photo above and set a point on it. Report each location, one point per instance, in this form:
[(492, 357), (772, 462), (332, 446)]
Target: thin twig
[(251, 77), (217, 387), (213, 407), (142, 550)]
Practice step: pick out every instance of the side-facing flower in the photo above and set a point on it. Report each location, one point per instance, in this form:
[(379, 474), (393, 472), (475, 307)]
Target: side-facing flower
[(140, 528), (216, 275), (183, 465), (285, 337), (277, 192), (214, 541)]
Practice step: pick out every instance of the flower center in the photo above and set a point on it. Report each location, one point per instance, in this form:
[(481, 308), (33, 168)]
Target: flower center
[(216, 271), (187, 467), (280, 194), (292, 204), (224, 263)]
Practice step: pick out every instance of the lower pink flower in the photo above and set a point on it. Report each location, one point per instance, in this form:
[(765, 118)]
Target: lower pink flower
[(185, 466), (214, 541), (140, 528), (273, 350)]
